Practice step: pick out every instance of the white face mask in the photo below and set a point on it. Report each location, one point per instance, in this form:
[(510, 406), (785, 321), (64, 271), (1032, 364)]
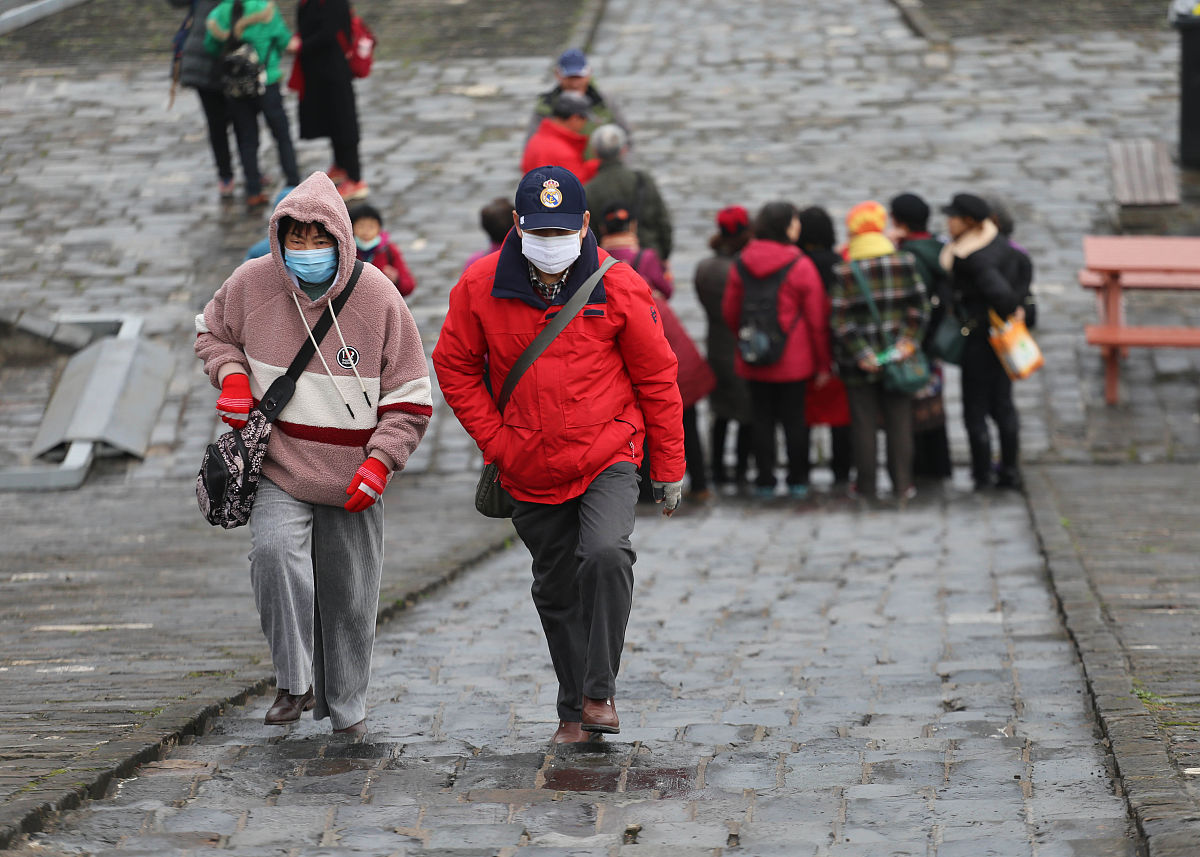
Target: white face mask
[(551, 254)]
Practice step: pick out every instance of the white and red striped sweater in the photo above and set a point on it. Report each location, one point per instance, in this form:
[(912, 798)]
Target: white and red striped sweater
[(253, 322)]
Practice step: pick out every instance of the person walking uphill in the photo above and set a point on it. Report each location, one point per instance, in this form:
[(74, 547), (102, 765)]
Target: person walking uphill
[(578, 423), (260, 25), (327, 106), (359, 410), (199, 70), (559, 141)]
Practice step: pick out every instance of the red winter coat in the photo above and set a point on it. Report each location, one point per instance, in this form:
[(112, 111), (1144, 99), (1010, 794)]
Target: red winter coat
[(387, 254), (604, 386), (553, 144), (696, 377), (802, 312)]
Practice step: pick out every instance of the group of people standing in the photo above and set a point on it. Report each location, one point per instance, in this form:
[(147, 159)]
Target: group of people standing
[(849, 312)]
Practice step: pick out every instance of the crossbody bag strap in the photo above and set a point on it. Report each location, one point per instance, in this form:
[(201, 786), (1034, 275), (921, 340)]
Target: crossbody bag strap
[(542, 341), (280, 391), (865, 288)]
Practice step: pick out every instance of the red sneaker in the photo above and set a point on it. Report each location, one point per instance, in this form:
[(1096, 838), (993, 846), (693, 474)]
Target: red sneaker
[(352, 190)]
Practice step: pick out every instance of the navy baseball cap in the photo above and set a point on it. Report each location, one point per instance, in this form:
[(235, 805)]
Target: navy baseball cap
[(573, 63), (550, 198)]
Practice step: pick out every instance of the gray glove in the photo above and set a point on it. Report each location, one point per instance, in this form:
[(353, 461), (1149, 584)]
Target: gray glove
[(668, 493)]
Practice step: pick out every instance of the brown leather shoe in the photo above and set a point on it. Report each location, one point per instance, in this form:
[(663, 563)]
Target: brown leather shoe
[(359, 728), (288, 707), (600, 715), (569, 732)]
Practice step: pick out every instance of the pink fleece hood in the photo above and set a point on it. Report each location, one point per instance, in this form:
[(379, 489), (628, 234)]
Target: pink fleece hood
[(316, 200)]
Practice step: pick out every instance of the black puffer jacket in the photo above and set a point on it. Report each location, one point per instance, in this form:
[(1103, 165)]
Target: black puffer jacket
[(197, 67)]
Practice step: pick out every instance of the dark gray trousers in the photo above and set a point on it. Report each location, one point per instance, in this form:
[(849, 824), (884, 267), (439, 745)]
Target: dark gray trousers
[(868, 402), (583, 582)]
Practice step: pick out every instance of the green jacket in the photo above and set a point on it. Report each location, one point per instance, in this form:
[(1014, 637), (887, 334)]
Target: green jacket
[(614, 182), (261, 25)]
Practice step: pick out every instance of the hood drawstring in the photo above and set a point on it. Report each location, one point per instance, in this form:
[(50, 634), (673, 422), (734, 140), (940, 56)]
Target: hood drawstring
[(353, 366), (332, 381)]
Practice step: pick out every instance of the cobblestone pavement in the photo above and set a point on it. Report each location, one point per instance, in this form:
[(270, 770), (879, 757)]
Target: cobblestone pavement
[(107, 206), (793, 684), (122, 628), (100, 30), (1018, 17)]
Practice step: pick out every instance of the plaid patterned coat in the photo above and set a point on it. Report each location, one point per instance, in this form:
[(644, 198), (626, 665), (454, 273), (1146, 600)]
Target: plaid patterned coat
[(900, 297)]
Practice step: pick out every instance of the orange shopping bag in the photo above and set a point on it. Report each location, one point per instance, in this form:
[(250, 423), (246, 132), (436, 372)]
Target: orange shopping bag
[(1014, 345)]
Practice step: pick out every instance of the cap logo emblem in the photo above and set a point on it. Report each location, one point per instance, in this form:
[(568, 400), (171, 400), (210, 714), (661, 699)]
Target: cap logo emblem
[(551, 196)]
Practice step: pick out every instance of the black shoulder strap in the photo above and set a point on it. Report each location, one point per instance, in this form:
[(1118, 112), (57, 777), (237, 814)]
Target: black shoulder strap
[(637, 260), (542, 341)]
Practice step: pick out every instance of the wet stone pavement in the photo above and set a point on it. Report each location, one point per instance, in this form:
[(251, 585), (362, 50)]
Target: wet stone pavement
[(840, 684)]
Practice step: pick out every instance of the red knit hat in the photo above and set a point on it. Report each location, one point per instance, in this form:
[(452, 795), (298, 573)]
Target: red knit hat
[(733, 220)]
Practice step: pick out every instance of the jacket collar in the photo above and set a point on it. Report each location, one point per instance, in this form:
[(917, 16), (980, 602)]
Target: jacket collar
[(965, 245), (512, 274)]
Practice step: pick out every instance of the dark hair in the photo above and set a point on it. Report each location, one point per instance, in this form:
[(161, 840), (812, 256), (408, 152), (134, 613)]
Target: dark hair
[(728, 245), (365, 211), (567, 104), (816, 228), (496, 218), (288, 224), (911, 212), (1001, 216), (617, 218), (773, 221)]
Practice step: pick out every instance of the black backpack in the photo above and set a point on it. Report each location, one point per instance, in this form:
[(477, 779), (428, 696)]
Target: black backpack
[(243, 74), (760, 339)]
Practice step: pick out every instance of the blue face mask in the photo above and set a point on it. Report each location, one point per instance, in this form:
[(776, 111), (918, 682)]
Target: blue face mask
[(367, 246), (312, 266)]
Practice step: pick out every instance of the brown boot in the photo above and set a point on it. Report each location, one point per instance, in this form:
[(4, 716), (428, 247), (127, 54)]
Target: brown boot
[(569, 732), (288, 707), (600, 715)]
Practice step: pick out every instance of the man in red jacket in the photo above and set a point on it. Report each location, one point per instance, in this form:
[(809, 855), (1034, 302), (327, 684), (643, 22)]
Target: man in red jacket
[(561, 140), (571, 438)]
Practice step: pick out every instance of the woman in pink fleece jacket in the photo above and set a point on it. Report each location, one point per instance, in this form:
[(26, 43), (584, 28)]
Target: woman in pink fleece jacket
[(359, 410)]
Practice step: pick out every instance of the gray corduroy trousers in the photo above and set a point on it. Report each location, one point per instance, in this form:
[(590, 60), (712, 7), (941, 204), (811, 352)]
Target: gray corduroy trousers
[(315, 571), (583, 582)]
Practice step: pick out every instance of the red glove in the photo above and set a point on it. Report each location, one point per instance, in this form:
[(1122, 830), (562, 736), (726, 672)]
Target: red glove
[(236, 401), (367, 485)]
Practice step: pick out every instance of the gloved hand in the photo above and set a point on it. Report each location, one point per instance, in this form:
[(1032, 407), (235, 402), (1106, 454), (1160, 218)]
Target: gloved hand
[(235, 401), (367, 485), (668, 493)]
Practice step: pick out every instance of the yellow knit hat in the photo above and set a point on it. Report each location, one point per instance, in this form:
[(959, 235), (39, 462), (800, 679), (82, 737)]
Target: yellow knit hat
[(867, 216)]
